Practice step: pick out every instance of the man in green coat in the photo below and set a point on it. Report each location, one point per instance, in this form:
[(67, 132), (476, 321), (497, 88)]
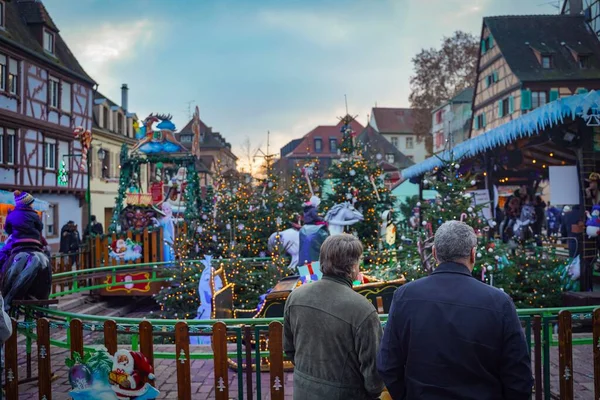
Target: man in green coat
[(332, 333)]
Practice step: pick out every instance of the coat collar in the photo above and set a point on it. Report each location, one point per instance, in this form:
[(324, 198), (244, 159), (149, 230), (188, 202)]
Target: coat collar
[(338, 279), (452, 268)]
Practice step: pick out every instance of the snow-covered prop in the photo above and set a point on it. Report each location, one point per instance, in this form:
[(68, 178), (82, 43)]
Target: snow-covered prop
[(85, 138), (209, 283), (570, 274), (311, 237), (160, 141), (26, 275), (98, 375), (126, 250), (342, 215), (166, 222), (528, 125), (593, 222), (289, 241)]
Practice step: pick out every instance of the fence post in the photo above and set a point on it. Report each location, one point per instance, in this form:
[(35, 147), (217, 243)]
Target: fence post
[(182, 355), (76, 329), (537, 352), (147, 343), (565, 355), (596, 347), (110, 336), (248, 343), (276, 360), (219, 345), (11, 367), (44, 361)]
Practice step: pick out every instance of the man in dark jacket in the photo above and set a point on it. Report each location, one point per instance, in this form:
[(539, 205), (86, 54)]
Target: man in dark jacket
[(94, 228), (332, 333), (450, 336)]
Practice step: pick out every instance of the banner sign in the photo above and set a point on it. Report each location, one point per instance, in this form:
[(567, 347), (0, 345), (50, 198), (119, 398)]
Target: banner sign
[(129, 284)]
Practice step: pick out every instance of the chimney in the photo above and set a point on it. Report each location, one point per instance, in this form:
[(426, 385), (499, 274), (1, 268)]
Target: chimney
[(124, 96), (575, 7)]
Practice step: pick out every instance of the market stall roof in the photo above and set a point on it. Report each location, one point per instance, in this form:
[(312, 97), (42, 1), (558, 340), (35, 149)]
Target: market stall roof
[(9, 198), (530, 124)]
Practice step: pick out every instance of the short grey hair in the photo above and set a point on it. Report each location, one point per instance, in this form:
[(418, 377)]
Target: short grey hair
[(339, 255), (454, 241)]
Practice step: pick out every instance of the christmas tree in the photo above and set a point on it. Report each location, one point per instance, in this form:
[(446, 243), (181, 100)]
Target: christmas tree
[(359, 181), (305, 182)]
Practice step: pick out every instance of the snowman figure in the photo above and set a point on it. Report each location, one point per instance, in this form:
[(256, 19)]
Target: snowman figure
[(593, 222)]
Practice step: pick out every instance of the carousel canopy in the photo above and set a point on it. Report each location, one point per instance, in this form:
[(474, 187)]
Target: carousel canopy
[(528, 125), (9, 198)]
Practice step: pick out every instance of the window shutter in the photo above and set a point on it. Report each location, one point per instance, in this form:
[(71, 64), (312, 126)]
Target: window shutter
[(553, 94), (500, 109), (511, 104), (483, 46), (490, 42), (525, 99), (581, 90), (476, 122), (483, 120), (495, 76)]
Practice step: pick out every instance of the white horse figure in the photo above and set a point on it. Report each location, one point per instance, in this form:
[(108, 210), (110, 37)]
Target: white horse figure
[(205, 294), (290, 240), (342, 215)]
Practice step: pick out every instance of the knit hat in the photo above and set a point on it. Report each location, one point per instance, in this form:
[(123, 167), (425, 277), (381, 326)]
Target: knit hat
[(22, 198)]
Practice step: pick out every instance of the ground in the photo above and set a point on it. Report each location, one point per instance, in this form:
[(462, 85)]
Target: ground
[(203, 377)]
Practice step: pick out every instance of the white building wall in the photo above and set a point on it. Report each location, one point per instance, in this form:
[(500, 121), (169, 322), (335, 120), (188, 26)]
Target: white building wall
[(68, 210)]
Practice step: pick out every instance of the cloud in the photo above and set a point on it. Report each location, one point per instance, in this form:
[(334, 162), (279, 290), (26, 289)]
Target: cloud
[(102, 49), (316, 27)]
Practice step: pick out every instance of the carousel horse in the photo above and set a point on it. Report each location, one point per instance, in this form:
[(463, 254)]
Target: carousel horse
[(26, 274), (208, 280), (342, 215), (290, 240)]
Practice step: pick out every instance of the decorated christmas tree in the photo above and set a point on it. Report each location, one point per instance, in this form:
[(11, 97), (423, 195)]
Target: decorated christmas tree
[(359, 181), (305, 182)]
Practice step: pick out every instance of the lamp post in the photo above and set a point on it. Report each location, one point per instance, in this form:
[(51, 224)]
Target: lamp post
[(87, 190)]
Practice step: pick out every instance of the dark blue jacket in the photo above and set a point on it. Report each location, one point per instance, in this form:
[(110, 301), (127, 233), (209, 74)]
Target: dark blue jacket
[(23, 223), (311, 216), (450, 336)]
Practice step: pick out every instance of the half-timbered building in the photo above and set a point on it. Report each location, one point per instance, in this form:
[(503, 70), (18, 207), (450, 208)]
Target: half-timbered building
[(44, 95), (528, 61)]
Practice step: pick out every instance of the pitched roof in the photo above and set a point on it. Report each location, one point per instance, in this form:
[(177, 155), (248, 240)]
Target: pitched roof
[(394, 120), (465, 96), (211, 140), (325, 132), (518, 36), (21, 17), (375, 144)]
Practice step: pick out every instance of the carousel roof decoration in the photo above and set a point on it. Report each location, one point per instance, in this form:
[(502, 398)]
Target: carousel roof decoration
[(583, 105), (163, 140)]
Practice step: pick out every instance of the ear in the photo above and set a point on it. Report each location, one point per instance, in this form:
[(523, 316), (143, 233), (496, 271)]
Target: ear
[(472, 256), (434, 253)]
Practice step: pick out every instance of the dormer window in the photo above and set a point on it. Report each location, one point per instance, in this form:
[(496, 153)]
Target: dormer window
[(584, 61), (48, 41), (2, 8), (546, 61)]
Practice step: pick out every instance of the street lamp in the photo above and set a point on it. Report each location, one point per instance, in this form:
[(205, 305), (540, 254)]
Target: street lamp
[(101, 154)]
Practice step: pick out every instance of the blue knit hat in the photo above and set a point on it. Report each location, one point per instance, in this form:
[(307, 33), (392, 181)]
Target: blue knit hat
[(22, 198)]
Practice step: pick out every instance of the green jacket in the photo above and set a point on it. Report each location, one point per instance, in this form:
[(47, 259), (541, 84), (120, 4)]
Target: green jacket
[(332, 334)]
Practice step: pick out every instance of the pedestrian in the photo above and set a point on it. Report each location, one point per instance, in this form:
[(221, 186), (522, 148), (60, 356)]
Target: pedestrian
[(451, 336), (331, 333), (94, 228), (70, 241)]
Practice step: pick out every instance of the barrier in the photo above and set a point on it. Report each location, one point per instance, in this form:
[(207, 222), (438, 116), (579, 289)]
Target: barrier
[(143, 334)]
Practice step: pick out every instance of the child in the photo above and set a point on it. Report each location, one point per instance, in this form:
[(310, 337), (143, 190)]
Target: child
[(311, 216), (23, 223)]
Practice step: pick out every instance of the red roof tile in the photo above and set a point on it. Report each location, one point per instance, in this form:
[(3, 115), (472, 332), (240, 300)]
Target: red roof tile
[(324, 132), (394, 120)]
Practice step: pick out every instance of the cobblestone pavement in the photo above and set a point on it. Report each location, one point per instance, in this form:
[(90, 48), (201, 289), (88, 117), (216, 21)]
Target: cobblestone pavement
[(203, 377)]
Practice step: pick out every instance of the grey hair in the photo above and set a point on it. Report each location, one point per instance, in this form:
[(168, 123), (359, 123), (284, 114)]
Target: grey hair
[(454, 241), (340, 254)]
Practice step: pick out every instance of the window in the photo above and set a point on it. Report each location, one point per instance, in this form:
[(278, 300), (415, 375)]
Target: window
[(409, 143), (53, 92), (2, 22), (546, 62), (51, 220), (333, 145), (584, 61), (479, 122), (1, 146), (119, 123), (105, 117), (186, 139), (390, 158), (13, 77), (65, 97), (411, 158), (49, 41), (503, 107), (395, 142), (106, 165), (438, 116), (487, 44), (11, 146), (2, 72), (318, 145), (49, 155), (538, 99)]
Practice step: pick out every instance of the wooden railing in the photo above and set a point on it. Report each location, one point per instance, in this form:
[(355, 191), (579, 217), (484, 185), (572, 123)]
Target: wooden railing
[(268, 349)]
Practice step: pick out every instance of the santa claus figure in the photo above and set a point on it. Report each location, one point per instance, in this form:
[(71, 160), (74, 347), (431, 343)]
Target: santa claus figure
[(127, 377)]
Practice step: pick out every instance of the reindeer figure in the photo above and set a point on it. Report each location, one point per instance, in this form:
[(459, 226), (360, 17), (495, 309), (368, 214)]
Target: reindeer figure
[(162, 140)]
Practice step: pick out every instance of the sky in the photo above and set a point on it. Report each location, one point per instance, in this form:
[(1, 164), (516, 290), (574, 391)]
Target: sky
[(253, 66)]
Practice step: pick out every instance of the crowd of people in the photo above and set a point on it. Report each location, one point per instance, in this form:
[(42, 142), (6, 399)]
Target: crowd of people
[(448, 336)]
